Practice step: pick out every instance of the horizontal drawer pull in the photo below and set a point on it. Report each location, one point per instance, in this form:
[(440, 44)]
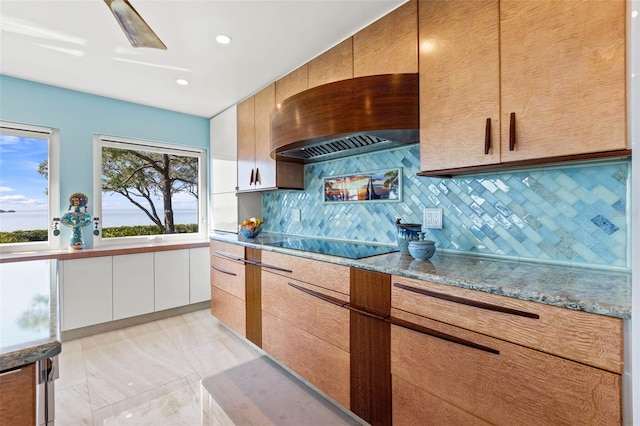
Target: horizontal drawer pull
[(275, 268), (224, 271), (366, 312), (229, 256), (6, 373), (468, 302), (440, 335), (319, 295)]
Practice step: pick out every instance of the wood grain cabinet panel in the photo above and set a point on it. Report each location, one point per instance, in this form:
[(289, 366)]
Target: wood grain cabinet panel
[(295, 82), (389, 45), (326, 321), (326, 275), (18, 396), (257, 170), (300, 327), (549, 76), (228, 285), (333, 65), (563, 77), (265, 101), (459, 84), (584, 337), (518, 385), (322, 364), (246, 144)]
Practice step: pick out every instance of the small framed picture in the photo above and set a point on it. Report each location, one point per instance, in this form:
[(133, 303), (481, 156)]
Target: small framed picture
[(385, 185)]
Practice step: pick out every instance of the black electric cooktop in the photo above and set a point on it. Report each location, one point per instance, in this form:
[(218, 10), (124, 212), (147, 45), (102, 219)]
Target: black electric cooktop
[(346, 249)]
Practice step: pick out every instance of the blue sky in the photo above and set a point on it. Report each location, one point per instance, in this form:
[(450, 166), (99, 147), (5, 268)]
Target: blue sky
[(21, 187)]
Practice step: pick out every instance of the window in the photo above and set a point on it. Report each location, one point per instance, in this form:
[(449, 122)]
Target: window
[(29, 190), (147, 191)]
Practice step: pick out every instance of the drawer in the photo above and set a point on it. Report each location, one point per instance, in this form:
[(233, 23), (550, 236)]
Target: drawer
[(18, 396), (516, 386), (584, 337), (321, 318), (218, 247), (322, 364), (229, 309), (327, 275), (229, 276)]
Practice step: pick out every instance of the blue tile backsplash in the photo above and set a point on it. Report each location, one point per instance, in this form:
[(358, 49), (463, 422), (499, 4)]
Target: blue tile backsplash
[(567, 214)]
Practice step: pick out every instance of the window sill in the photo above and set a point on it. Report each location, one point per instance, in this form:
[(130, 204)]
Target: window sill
[(100, 251)]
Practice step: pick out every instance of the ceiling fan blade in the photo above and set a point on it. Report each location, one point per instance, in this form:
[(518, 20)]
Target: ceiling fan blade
[(135, 28)]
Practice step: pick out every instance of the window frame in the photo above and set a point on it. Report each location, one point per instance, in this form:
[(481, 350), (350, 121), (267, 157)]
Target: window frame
[(53, 182), (101, 141)]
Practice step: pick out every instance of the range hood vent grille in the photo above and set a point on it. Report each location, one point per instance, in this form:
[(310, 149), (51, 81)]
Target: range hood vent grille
[(356, 143), (347, 117)]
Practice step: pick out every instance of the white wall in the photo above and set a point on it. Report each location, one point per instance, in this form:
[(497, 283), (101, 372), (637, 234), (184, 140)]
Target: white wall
[(632, 364)]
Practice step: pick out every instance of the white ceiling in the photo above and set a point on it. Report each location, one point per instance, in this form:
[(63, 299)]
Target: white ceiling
[(77, 44)]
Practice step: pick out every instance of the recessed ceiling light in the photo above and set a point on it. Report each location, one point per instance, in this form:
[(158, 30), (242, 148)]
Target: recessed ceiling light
[(182, 81), (223, 39)]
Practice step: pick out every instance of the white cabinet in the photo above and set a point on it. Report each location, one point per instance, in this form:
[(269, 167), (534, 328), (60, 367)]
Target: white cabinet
[(108, 288), (199, 277), (87, 292), (133, 285), (171, 270)]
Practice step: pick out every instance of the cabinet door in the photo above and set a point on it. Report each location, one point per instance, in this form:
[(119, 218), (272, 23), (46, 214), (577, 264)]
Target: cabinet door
[(224, 151), (265, 101), (333, 65), (246, 144), (171, 270), (389, 45), (308, 334), (459, 84), (87, 292), (515, 386), (563, 75), (132, 285), (18, 396), (295, 82), (199, 277)]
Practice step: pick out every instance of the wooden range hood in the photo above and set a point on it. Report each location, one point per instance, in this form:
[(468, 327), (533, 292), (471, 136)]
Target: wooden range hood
[(347, 117)]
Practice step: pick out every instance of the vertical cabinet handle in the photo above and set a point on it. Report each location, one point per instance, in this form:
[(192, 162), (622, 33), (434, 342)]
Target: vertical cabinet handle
[(512, 131), (487, 136), (258, 180), (253, 179)]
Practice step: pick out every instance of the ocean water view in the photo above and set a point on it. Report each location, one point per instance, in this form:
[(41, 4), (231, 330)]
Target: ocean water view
[(30, 220)]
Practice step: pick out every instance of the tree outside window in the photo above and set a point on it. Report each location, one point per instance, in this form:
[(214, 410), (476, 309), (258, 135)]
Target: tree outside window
[(150, 190)]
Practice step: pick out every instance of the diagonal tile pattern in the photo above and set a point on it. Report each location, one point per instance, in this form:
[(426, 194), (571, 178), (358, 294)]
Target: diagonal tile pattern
[(573, 214)]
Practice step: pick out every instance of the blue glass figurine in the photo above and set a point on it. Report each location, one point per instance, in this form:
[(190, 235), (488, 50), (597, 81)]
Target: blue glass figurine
[(76, 219)]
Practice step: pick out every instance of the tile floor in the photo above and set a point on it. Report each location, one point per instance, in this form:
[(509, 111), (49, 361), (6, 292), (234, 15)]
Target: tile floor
[(147, 374)]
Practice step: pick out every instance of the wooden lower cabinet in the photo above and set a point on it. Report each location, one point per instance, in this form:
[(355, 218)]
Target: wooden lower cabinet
[(18, 396), (437, 381), (235, 289), (307, 334)]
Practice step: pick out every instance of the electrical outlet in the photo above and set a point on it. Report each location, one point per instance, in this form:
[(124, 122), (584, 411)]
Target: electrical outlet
[(295, 215), (432, 218)]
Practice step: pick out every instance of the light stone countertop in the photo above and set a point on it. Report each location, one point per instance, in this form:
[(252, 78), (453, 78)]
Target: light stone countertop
[(582, 289), (28, 312)]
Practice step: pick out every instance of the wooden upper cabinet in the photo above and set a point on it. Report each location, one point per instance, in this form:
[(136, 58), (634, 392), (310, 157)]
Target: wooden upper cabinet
[(265, 165), (563, 75), (257, 171), (555, 69), (295, 82), (246, 144), (459, 84), (333, 65), (389, 45)]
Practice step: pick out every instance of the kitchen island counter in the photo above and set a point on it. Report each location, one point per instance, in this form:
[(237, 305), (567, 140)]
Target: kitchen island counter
[(28, 312), (596, 291)]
